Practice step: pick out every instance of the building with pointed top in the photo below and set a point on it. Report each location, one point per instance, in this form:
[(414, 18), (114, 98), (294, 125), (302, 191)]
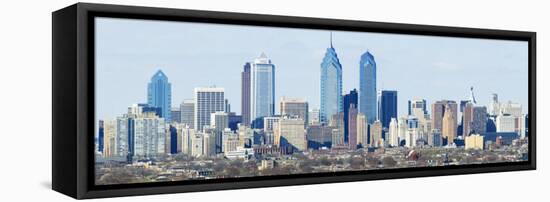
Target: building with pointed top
[(159, 94), (262, 90), (331, 85), (367, 86)]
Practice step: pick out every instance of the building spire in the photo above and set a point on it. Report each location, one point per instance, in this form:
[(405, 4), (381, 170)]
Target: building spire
[(331, 39), (472, 98)]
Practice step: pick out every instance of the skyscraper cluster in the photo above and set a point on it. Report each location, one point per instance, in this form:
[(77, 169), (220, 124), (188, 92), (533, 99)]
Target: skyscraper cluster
[(365, 117)]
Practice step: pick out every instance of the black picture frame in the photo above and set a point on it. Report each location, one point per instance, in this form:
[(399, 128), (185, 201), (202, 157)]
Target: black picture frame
[(73, 99)]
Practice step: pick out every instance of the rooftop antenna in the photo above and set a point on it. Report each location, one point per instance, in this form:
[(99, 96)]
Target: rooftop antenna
[(331, 39)]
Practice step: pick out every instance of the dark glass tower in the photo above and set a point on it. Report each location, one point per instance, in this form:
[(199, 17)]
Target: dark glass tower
[(350, 100), (387, 106)]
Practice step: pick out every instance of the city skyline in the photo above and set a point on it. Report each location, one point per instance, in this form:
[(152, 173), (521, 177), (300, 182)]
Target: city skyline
[(360, 130), (136, 94)]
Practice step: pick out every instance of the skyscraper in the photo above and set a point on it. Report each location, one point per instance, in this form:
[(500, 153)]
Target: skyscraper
[(295, 107), (367, 86), (479, 120), (438, 111), (448, 124), (262, 90), (349, 99), (245, 95), (467, 118), (100, 136), (417, 107), (150, 136), (207, 101), (352, 127), (159, 94), (331, 85), (393, 138), (219, 121), (387, 106), (362, 130), (376, 134), (187, 108)]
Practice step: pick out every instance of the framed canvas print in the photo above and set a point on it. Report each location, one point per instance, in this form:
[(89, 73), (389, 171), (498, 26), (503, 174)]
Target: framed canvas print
[(156, 100)]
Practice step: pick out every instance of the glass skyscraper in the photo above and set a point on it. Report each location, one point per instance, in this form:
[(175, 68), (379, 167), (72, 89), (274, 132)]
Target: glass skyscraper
[(159, 94), (331, 85), (367, 86), (387, 106), (350, 100), (262, 90)]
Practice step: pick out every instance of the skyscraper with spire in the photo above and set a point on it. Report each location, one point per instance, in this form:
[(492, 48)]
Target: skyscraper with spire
[(159, 94), (331, 85), (367, 86)]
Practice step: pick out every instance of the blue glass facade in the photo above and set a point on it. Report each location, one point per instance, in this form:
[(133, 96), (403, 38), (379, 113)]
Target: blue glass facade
[(367, 86), (159, 94), (331, 86), (387, 106), (262, 89)]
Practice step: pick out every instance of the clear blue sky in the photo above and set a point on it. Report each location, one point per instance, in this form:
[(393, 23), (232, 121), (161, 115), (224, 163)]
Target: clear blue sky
[(129, 52)]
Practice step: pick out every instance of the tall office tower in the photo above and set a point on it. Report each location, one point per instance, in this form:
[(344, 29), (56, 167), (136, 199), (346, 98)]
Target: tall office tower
[(438, 111), (187, 108), (349, 100), (207, 101), (387, 106), (124, 136), (150, 136), (479, 120), (337, 123), (393, 136), (175, 113), (367, 86), (494, 105), (314, 117), (175, 139), (376, 134), (352, 127), (186, 133), (449, 125), (295, 107), (227, 106), (411, 137), (109, 138), (219, 121), (402, 128), (417, 107), (159, 94), (100, 136), (245, 95), (467, 118), (331, 85), (262, 90), (246, 136), (291, 133), (362, 130)]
